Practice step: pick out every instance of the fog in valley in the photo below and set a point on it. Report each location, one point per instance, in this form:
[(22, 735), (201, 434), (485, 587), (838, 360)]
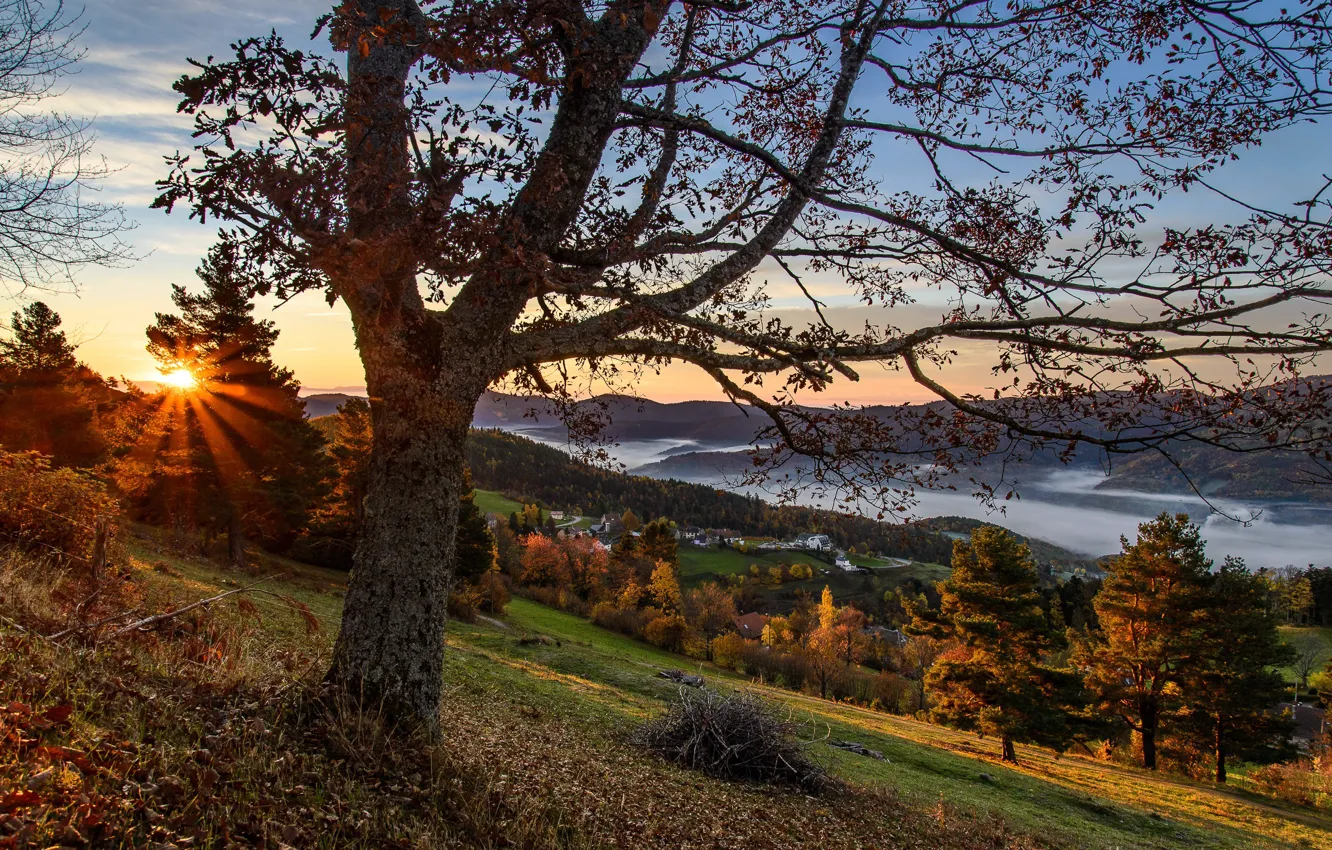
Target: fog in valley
[(1066, 509)]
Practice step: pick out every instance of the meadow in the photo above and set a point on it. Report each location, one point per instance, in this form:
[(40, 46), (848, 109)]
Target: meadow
[(556, 686)]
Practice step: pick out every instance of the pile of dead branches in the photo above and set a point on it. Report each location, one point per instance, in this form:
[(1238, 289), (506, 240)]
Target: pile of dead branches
[(732, 736)]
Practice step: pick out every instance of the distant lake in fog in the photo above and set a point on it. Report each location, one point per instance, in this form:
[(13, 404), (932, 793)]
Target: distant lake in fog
[(1064, 508)]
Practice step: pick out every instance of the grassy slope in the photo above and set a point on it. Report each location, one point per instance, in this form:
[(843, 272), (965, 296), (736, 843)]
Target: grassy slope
[(607, 678), (604, 682), (494, 503)]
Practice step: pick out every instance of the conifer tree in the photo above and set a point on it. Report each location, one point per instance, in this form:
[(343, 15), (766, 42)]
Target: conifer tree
[(658, 541), (475, 544), (49, 401), (350, 448), (1150, 611), (1230, 691), (996, 681), (241, 446), (38, 348)]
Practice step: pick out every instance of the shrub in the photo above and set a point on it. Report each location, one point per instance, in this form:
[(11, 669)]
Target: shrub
[(463, 602), (625, 620), (50, 512), (494, 592), (1304, 783), (728, 650), (734, 736), (667, 631)]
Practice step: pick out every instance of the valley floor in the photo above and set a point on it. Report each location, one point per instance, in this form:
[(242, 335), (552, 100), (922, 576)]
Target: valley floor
[(544, 722)]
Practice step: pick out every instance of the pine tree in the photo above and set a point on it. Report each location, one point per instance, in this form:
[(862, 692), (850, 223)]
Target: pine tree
[(996, 681), (658, 541), (38, 348), (1230, 690), (1150, 611), (49, 401), (350, 447), (240, 448), (475, 544)]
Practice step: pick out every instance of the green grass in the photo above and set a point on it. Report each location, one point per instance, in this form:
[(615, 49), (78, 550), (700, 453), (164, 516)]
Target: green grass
[(699, 563), (608, 681), (491, 502), (604, 683)]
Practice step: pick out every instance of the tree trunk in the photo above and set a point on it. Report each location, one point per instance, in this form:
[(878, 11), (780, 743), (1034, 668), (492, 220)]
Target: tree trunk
[(1219, 745), (390, 647), (236, 539), (1009, 751), (1148, 718)]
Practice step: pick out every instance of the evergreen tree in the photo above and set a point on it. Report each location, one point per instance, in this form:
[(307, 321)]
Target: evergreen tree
[(658, 541), (1230, 691), (1150, 611), (350, 448), (38, 348), (49, 401), (240, 450), (475, 553), (996, 682)]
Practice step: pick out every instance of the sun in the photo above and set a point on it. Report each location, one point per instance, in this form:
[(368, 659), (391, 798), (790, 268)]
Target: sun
[(181, 379)]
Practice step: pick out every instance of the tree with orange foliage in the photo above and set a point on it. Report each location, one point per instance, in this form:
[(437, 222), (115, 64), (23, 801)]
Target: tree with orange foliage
[(1152, 609), (665, 588), (544, 561), (589, 565)]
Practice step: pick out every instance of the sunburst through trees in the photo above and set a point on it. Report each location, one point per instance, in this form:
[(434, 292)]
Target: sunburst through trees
[(228, 449)]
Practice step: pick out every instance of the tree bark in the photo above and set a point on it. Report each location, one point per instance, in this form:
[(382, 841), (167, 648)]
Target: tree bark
[(1009, 751), (1148, 718), (389, 649), (1219, 745), (236, 538)]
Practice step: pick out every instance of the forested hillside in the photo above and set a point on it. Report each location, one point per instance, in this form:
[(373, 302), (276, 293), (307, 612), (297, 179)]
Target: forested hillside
[(533, 472)]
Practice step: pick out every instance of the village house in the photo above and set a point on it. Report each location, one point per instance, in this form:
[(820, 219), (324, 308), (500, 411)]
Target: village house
[(750, 626), (892, 637), (813, 542), (1310, 724)]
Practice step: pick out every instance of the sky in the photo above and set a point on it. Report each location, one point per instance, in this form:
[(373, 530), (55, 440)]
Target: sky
[(136, 48)]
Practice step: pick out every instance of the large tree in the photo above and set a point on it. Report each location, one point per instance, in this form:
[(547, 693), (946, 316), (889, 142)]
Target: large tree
[(1153, 614), (1230, 692), (997, 679), (642, 177)]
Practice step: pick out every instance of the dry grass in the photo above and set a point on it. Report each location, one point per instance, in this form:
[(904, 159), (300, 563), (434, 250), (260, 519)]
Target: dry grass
[(212, 731)]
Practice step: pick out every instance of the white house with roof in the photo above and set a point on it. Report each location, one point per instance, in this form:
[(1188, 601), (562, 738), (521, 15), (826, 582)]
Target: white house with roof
[(814, 542)]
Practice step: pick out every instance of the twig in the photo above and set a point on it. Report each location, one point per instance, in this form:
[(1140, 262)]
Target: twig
[(90, 626), (202, 603)]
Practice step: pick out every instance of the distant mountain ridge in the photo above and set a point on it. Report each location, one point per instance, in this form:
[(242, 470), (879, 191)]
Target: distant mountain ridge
[(709, 432)]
